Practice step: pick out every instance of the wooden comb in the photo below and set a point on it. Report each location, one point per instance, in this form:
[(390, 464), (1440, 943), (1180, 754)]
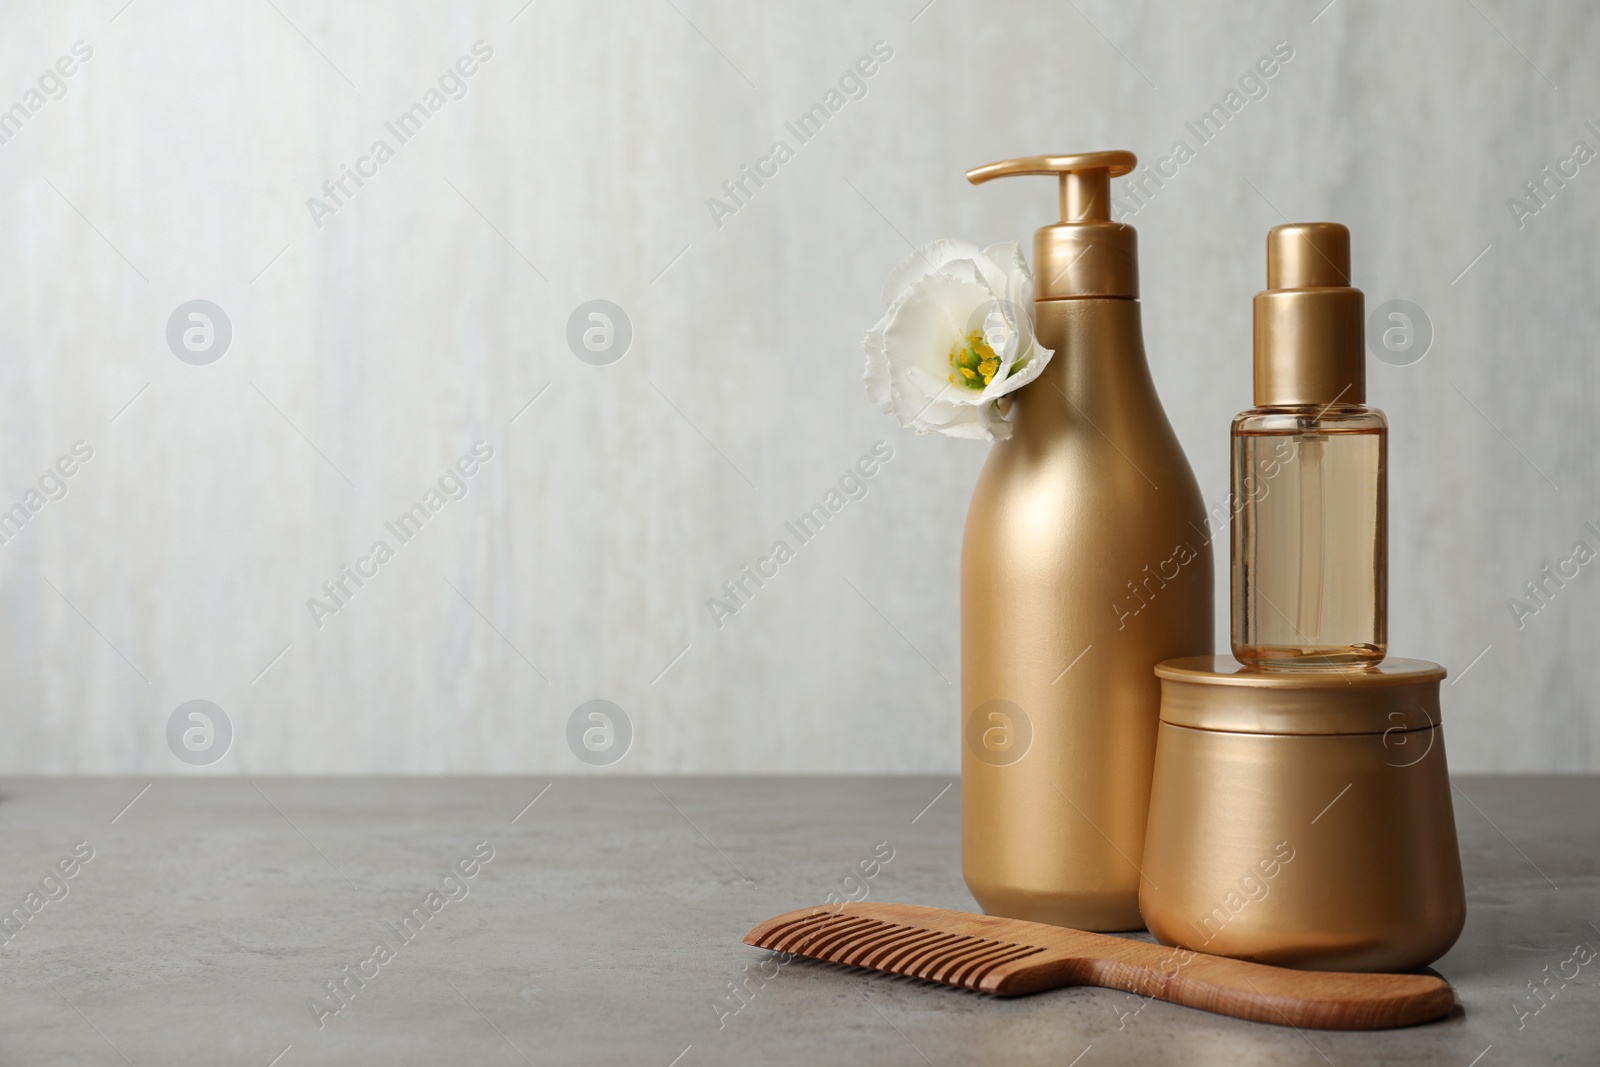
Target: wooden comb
[(1008, 957)]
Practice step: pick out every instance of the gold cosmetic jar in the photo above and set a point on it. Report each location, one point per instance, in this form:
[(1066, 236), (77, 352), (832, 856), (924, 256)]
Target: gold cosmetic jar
[(1303, 818)]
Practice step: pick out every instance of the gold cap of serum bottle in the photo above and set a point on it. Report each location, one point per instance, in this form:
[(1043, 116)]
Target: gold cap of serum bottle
[(1308, 330)]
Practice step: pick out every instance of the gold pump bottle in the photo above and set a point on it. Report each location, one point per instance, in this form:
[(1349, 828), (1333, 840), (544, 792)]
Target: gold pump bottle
[(1310, 520), (1085, 563)]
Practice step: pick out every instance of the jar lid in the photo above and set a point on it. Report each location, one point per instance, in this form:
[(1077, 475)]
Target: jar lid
[(1219, 693)]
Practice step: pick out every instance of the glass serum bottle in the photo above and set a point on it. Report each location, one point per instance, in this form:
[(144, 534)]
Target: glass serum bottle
[(1310, 487)]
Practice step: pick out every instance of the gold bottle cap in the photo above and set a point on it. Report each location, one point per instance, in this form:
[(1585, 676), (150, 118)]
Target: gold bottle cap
[(1308, 321), (1085, 254), (1218, 693)]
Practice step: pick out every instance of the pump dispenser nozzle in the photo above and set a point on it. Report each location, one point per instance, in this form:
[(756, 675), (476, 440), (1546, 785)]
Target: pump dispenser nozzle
[(1085, 254), (1308, 329)]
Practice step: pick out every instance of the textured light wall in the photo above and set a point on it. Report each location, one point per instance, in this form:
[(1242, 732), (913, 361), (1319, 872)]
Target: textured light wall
[(376, 339)]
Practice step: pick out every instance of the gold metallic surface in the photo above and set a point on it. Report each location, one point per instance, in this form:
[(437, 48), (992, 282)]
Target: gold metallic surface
[(1084, 564), (1085, 259), (1085, 178), (1309, 342), (1204, 692), (1327, 851), (1303, 255), (1085, 254)]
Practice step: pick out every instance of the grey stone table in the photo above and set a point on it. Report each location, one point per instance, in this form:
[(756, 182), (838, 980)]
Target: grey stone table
[(597, 920)]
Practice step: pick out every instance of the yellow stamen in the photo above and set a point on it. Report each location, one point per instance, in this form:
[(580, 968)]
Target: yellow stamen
[(974, 360)]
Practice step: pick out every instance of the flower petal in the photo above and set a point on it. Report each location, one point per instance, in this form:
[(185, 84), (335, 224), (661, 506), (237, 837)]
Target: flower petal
[(924, 261), (996, 267), (1026, 369), (998, 427), (876, 374)]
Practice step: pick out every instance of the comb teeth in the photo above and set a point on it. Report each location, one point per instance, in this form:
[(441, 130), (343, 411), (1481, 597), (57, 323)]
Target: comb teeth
[(913, 951)]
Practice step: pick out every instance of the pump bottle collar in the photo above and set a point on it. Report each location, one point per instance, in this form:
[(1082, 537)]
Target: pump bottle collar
[(1085, 254)]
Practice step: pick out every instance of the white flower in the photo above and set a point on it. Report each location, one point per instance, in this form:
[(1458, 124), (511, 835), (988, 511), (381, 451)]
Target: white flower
[(957, 337)]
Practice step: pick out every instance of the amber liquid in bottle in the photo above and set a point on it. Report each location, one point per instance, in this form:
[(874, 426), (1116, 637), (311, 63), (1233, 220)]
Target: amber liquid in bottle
[(1310, 537)]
